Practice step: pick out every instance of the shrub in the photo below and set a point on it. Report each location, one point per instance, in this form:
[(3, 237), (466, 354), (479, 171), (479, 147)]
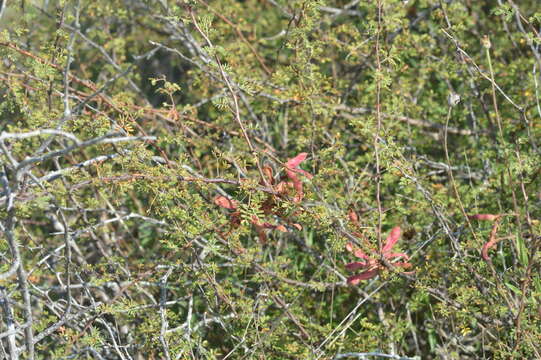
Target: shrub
[(193, 179)]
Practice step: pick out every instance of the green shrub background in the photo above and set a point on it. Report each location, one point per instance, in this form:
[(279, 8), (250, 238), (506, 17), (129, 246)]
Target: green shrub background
[(208, 94)]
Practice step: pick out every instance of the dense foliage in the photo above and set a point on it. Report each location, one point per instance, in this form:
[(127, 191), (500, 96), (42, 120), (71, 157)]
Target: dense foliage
[(270, 179)]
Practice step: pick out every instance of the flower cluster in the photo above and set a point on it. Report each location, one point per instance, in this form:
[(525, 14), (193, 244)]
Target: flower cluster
[(373, 265), (268, 207)]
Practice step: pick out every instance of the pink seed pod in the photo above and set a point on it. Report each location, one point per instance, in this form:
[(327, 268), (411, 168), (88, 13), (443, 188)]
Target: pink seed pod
[(226, 203), (484, 217)]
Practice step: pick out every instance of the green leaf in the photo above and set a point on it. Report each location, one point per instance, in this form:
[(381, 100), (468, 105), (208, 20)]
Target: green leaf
[(513, 288), (522, 251)]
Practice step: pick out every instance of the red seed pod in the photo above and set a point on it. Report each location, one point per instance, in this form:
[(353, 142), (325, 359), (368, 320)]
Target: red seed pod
[(484, 217), (224, 202), (353, 217)]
